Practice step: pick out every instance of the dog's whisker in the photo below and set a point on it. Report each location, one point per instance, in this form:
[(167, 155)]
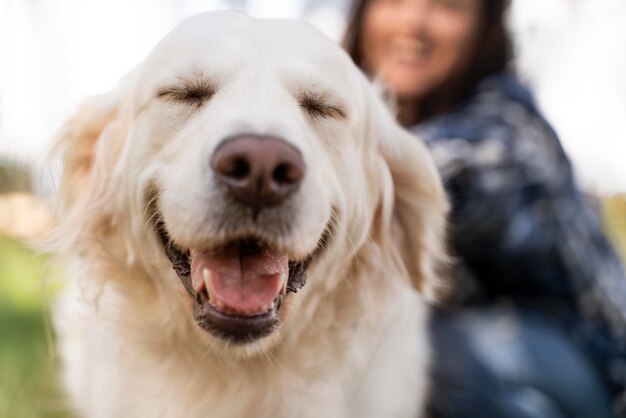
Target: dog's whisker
[(149, 206), (271, 360)]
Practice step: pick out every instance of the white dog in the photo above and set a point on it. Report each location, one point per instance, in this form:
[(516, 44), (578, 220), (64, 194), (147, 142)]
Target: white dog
[(248, 233)]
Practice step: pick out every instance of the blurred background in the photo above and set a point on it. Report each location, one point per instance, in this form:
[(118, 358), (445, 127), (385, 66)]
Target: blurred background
[(57, 52)]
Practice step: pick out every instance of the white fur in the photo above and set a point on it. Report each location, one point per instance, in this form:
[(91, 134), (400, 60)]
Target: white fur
[(352, 343)]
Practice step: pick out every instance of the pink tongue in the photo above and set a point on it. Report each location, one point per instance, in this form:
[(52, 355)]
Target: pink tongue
[(246, 282)]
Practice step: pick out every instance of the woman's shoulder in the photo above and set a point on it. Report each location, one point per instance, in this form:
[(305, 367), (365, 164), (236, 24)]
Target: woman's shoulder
[(500, 105), (499, 125)]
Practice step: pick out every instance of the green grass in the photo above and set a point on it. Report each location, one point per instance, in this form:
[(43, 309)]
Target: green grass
[(28, 380), (615, 221)]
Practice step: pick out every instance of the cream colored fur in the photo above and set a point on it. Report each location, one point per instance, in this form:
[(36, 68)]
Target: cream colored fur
[(353, 343)]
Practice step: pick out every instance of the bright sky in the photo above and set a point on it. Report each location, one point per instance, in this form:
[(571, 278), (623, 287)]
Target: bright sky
[(57, 52), (573, 53)]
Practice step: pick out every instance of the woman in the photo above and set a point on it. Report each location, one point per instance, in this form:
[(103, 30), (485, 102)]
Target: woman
[(538, 326)]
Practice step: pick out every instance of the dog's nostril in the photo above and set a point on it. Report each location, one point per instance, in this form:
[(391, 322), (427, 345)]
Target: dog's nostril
[(239, 170), (285, 174), (235, 167)]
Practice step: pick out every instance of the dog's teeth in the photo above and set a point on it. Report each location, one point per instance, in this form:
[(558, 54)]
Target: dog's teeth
[(220, 304), (283, 279), (206, 276)]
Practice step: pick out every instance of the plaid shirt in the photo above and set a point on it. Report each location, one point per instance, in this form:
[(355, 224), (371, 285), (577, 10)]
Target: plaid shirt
[(522, 231)]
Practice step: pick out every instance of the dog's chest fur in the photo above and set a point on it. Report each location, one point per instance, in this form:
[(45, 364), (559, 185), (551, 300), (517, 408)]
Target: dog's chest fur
[(126, 363)]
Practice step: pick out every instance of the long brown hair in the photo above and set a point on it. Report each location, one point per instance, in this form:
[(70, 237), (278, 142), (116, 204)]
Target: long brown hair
[(493, 55)]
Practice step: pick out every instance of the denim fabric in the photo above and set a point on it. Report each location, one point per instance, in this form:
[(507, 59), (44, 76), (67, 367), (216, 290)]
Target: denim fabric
[(522, 231), (507, 363)]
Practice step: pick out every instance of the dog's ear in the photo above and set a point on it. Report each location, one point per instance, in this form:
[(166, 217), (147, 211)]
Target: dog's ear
[(416, 209), (89, 146)]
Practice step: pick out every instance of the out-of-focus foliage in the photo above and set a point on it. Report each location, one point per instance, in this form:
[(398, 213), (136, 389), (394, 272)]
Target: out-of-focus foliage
[(14, 177), (615, 221), (28, 381)]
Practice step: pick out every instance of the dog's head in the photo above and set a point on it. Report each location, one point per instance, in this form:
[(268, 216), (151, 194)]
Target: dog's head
[(240, 157)]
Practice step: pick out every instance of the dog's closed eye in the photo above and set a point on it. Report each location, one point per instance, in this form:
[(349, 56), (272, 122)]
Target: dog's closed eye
[(319, 105), (191, 92)]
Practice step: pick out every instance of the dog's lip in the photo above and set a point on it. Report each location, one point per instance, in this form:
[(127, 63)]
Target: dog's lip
[(235, 328)]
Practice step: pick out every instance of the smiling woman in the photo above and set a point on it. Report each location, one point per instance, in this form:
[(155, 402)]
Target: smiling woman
[(435, 50), (419, 65)]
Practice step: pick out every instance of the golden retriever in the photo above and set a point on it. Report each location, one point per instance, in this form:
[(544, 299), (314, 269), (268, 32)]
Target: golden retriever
[(249, 233)]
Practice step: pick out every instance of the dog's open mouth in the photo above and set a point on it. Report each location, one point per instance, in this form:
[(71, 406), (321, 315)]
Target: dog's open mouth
[(238, 288), (242, 278)]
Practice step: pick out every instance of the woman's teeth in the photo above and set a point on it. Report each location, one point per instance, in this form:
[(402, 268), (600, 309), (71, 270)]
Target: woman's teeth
[(407, 49)]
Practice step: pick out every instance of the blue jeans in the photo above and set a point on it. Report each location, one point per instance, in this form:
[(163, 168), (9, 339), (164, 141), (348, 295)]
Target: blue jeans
[(505, 363)]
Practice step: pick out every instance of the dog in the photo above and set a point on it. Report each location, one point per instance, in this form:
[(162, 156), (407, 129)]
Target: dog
[(247, 232)]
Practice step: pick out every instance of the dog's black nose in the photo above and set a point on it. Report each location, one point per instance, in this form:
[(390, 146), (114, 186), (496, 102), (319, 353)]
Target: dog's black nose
[(259, 171)]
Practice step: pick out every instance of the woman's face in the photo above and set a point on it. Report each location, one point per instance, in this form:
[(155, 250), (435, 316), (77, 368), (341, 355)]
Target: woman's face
[(417, 45)]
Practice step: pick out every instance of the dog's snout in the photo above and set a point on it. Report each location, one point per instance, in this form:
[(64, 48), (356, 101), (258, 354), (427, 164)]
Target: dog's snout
[(259, 171)]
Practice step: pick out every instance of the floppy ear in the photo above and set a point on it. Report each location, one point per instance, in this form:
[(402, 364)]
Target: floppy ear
[(417, 206), (89, 146)]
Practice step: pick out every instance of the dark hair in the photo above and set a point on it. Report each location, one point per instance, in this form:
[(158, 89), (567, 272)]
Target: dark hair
[(493, 54)]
